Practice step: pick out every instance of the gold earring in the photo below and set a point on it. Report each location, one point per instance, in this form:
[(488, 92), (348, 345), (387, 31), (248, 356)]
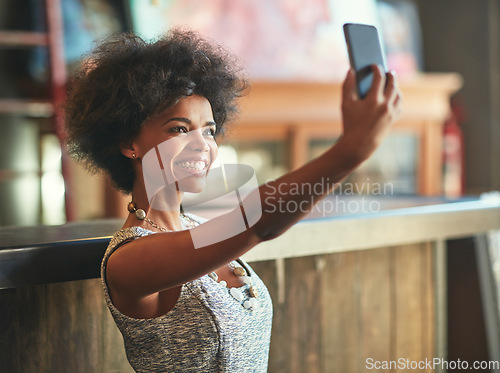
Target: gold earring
[(133, 155)]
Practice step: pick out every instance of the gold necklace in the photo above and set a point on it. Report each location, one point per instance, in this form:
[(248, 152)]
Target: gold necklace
[(141, 215)]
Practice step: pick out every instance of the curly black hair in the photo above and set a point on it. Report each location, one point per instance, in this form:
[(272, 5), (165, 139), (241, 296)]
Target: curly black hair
[(126, 80)]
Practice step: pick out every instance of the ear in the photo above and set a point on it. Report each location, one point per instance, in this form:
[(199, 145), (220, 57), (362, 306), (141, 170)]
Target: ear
[(129, 151)]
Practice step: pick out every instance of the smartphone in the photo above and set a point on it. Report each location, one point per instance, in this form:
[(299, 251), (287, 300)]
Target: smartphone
[(365, 49)]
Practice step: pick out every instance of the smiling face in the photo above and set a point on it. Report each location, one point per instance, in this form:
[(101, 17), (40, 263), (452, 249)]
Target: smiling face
[(180, 140)]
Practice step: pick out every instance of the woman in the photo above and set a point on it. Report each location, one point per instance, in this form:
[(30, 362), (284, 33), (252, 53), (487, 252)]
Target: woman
[(182, 306)]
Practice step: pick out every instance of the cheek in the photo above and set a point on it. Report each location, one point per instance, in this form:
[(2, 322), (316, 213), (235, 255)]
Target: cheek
[(148, 145), (168, 150), (214, 151)]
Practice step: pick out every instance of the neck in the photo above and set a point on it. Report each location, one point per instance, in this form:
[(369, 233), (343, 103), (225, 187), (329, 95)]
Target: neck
[(164, 208)]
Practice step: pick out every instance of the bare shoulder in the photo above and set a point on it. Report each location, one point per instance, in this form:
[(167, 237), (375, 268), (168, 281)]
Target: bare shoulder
[(127, 299)]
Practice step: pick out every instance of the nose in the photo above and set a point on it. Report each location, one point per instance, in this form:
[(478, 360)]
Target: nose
[(197, 141)]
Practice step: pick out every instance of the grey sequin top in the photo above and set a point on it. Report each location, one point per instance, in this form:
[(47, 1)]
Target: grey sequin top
[(208, 330)]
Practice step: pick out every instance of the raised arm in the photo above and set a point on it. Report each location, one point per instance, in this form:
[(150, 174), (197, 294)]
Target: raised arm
[(165, 260), (365, 124)]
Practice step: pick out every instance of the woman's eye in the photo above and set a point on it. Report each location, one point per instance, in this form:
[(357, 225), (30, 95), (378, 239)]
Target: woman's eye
[(179, 129), (209, 132)]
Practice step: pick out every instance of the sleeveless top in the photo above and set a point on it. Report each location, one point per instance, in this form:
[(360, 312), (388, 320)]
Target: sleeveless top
[(208, 330)]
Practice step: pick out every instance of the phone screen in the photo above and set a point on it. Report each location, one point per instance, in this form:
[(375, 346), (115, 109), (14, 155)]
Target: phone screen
[(365, 49)]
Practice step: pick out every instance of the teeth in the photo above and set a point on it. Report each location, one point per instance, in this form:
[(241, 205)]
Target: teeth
[(197, 165)]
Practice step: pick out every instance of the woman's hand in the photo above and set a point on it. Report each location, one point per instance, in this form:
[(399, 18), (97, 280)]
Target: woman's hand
[(367, 121)]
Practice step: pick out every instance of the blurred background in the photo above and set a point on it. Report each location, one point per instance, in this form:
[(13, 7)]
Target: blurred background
[(446, 53)]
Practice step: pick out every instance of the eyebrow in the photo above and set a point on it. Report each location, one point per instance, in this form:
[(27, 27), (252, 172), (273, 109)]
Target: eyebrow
[(188, 121)]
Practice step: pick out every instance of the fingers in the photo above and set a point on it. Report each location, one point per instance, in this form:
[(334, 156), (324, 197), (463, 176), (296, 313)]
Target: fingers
[(349, 86), (384, 87), (391, 87), (392, 92), (378, 83)]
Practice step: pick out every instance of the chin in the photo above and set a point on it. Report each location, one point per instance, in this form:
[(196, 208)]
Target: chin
[(192, 186)]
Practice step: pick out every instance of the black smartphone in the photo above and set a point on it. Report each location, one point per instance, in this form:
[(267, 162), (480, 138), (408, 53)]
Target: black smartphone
[(365, 49)]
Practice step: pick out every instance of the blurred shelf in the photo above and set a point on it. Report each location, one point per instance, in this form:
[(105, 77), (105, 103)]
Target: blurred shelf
[(33, 108), (23, 38), (298, 112)]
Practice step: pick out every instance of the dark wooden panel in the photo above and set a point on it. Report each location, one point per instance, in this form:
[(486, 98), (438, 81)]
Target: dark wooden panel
[(23, 330), (302, 315), (429, 297), (376, 299), (342, 309), (467, 338), (341, 317), (410, 303), (59, 328)]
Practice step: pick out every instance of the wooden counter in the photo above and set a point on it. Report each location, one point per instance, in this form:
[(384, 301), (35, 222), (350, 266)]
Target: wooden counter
[(345, 288), (389, 227)]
